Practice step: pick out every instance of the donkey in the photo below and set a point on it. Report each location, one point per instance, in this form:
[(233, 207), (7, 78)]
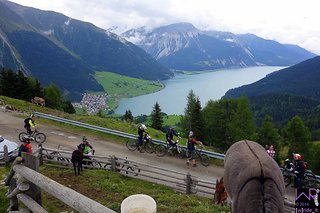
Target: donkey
[(76, 159), (38, 101), (253, 179), (220, 195)]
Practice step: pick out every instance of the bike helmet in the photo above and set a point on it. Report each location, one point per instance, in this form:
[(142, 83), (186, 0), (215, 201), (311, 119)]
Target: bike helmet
[(143, 127), (190, 134), (297, 156), (32, 116), (84, 139)]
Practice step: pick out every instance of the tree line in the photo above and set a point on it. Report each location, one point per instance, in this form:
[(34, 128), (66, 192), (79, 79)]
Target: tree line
[(17, 85)]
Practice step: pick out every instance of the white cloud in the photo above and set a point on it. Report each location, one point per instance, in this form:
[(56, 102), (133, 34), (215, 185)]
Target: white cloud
[(287, 21)]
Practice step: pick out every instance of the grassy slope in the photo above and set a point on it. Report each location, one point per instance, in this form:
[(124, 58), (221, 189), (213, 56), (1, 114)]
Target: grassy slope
[(119, 86), (110, 188)]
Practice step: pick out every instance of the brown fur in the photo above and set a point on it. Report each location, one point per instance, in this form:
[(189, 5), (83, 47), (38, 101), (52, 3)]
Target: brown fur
[(76, 159), (253, 179), (220, 195), (39, 101)]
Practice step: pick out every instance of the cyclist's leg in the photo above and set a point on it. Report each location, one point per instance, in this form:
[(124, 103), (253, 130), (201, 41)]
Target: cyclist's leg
[(172, 144), (193, 158), (139, 142), (28, 128)]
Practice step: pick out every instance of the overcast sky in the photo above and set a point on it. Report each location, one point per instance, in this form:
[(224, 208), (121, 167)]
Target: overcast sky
[(286, 21)]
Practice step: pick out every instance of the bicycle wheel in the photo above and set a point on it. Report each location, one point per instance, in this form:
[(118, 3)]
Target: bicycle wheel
[(131, 171), (204, 160), (310, 180), (40, 137), (183, 153), (22, 135), (161, 150), (48, 155), (94, 163), (287, 178), (132, 145), (149, 147)]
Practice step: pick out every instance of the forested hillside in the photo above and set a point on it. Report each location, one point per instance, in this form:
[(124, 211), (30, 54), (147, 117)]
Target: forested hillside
[(301, 79)]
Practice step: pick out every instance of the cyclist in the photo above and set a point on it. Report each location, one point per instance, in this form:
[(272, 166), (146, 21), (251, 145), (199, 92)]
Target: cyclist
[(299, 168), (169, 136), (141, 134), (86, 148), (29, 124), (191, 149), (25, 147)]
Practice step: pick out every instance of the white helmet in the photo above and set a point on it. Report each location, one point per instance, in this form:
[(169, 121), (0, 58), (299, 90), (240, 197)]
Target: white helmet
[(190, 134), (143, 127)]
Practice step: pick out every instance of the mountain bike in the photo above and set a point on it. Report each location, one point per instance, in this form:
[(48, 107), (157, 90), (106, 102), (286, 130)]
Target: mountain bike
[(56, 154), (167, 149), (147, 144), (125, 166), (309, 178), (36, 136)]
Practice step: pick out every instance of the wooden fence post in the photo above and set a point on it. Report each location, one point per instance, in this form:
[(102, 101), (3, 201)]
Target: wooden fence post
[(188, 183), (32, 162), (113, 163), (40, 154), (6, 155)]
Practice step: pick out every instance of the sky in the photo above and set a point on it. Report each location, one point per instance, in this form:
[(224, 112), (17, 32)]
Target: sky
[(286, 21)]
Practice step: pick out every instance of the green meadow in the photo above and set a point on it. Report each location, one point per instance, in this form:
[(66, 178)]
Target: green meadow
[(120, 86)]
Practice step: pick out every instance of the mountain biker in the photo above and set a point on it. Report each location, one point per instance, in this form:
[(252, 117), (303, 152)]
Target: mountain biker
[(29, 124), (86, 148), (191, 149), (141, 134), (25, 147), (299, 170), (169, 136)]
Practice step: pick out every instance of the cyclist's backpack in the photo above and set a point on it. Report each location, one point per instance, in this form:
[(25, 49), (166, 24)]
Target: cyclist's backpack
[(189, 144), (26, 121), (22, 148)]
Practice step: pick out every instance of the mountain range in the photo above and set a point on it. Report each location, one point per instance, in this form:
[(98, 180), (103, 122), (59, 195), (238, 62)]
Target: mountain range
[(181, 46), (55, 48)]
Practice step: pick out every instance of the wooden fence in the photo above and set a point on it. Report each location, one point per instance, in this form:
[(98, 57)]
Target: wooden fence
[(28, 183), (181, 182), (4, 156)]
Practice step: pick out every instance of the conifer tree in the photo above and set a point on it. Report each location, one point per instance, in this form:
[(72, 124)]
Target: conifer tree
[(128, 116), (193, 118), (242, 123), (156, 117), (297, 136)]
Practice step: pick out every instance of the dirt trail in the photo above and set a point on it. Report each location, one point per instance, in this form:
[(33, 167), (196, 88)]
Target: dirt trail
[(11, 125)]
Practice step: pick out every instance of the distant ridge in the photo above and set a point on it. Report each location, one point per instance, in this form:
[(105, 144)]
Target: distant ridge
[(182, 46)]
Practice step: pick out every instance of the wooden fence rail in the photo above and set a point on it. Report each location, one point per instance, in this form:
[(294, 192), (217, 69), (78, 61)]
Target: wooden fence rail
[(182, 182), (70, 197)]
